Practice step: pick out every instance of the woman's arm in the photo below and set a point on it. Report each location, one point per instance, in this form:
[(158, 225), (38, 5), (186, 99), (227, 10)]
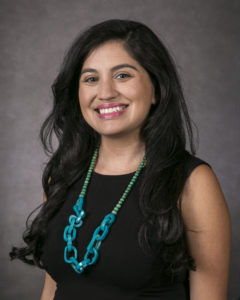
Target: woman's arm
[(49, 288), (208, 231)]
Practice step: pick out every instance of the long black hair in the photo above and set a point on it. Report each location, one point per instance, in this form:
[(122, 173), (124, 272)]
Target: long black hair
[(164, 132)]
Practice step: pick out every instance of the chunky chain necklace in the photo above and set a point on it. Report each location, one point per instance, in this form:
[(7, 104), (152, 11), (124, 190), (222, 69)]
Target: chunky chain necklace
[(100, 233)]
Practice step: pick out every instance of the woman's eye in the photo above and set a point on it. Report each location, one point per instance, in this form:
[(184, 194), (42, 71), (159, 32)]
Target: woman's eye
[(90, 79), (122, 75)]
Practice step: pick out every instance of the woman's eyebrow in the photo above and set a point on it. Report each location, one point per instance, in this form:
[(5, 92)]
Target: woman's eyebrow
[(115, 68)]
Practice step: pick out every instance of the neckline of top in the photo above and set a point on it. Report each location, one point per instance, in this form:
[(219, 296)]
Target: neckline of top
[(115, 175)]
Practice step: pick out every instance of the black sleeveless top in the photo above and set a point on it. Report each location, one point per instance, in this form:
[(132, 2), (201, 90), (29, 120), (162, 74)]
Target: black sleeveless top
[(122, 270)]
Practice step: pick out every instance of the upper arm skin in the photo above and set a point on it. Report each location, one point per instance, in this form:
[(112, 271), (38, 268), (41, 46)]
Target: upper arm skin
[(205, 212), (49, 288)]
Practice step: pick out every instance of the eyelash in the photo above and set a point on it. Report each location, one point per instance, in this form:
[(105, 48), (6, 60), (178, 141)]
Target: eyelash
[(95, 78)]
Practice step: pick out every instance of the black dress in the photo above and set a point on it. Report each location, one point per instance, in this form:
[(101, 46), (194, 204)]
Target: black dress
[(122, 271)]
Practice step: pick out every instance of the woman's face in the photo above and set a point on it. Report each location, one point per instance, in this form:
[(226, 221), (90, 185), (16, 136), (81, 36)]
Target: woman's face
[(115, 92)]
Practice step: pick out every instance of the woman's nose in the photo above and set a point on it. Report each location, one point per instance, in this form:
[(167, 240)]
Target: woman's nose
[(106, 90)]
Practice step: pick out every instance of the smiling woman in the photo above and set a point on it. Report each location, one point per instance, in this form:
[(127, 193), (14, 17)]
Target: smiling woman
[(128, 212), (112, 78)]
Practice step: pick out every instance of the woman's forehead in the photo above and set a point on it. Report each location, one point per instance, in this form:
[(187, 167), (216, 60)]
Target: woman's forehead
[(108, 54)]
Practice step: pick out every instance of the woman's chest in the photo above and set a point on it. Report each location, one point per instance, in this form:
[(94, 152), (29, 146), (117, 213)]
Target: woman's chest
[(121, 261)]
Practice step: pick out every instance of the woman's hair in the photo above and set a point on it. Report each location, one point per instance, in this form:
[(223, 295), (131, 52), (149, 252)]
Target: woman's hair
[(164, 132)]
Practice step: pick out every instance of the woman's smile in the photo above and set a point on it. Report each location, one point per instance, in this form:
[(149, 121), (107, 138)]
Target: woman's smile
[(111, 110)]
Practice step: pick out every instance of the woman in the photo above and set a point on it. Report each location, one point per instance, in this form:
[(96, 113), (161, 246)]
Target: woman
[(128, 212)]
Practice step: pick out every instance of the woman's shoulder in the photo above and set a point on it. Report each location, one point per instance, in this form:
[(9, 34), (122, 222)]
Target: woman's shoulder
[(188, 165), (193, 172), (202, 188), (192, 162)]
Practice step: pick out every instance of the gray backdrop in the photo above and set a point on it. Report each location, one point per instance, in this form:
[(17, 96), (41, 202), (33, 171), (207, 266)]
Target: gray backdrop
[(203, 37)]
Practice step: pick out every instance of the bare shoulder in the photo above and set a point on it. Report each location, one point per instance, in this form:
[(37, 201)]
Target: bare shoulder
[(202, 198)]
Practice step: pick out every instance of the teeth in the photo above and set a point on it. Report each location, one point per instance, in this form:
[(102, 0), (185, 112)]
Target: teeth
[(111, 110)]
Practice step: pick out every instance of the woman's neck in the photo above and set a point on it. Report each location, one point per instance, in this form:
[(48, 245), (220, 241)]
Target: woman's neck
[(116, 158)]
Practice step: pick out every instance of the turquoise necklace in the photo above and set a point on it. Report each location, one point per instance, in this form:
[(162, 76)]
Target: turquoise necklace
[(100, 233)]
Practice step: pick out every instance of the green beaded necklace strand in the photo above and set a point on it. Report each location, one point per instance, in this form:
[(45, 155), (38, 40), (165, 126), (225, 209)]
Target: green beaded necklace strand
[(100, 233)]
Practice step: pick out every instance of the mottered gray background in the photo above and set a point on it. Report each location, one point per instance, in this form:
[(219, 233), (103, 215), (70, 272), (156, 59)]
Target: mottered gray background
[(203, 37)]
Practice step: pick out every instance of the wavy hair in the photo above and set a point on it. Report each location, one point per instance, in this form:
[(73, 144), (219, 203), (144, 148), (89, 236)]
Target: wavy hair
[(165, 132)]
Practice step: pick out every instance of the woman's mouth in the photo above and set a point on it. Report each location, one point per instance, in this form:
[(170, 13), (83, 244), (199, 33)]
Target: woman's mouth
[(112, 112)]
